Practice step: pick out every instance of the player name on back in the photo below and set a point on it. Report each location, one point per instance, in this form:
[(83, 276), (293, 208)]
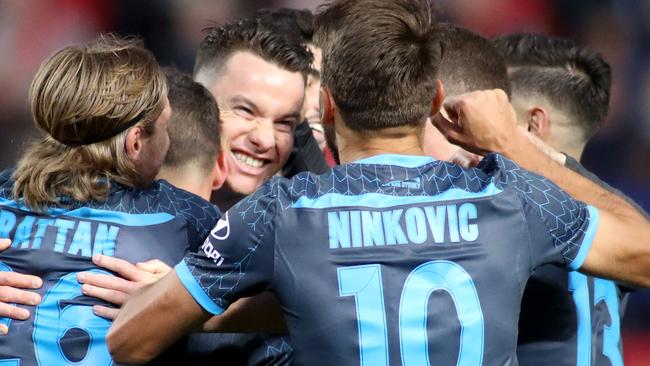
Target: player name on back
[(74, 237), (414, 225)]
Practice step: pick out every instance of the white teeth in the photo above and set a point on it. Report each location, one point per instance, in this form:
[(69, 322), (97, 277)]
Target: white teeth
[(252, 162)]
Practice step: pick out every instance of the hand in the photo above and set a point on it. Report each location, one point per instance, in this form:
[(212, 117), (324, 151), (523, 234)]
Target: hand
[(117, 290), (10, 293), (465, 158), (480, 122)]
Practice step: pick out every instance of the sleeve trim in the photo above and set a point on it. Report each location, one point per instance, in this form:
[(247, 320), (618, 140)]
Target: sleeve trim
[(193, 287), (587, 240)]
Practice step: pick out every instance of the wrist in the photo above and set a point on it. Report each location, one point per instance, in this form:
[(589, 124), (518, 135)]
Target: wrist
[(516, 148)]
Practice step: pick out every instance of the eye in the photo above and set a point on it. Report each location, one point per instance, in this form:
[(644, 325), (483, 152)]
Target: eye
[(284, 125), (244, 111)]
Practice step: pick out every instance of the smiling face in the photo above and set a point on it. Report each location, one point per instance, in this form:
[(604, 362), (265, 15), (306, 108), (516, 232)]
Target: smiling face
[(260, 107)]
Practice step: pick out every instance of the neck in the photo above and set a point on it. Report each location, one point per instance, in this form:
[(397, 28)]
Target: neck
[(353, 146), (568, 141), (189, 178)]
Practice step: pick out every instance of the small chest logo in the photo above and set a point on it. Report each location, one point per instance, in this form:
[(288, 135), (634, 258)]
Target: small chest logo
[(222, 230)]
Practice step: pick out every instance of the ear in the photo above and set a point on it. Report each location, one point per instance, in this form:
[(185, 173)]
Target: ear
[(436, 103), (133, 144), (219, 171), (539, 123), (327, 106)]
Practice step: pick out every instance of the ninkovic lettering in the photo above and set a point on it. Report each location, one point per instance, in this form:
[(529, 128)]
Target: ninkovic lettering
[(414, 225)]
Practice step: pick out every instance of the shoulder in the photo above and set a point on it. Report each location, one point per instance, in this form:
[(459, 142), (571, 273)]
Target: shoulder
[(507, 174), (194, 209), (160, 198)]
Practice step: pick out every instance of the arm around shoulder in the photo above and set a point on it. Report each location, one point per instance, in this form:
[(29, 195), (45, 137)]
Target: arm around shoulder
[(154, 318)]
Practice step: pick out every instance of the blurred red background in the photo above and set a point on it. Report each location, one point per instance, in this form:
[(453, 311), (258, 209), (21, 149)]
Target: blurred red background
[(620, 153)]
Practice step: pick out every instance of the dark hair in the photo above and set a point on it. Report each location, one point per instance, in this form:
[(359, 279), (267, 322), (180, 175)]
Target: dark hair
[(298, 23), (194, 125), (574, 79), (470, 62), (252, 35), (380, 60)]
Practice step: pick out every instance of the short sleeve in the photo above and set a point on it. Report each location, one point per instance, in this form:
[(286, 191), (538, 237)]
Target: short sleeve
[(561, 228), (236, 259)]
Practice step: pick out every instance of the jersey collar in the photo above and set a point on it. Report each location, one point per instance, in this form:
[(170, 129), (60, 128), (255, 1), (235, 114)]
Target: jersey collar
[(407, 161)]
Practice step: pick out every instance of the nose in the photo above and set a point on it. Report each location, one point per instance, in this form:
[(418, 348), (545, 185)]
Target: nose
[(262, 137)]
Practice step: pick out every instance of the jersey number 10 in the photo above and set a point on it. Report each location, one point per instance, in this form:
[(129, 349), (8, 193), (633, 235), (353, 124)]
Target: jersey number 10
[(365, 284)]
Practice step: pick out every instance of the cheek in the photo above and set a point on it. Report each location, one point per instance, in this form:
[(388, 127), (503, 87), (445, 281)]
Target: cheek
[(284, 143), (233, 127)]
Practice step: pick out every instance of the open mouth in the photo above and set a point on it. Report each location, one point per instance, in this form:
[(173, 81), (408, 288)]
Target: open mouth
[(248, 160)]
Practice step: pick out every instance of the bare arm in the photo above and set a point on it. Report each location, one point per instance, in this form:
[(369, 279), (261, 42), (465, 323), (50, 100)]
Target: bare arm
[(168, 311), (260, 313), (169, 300), (484, 121)]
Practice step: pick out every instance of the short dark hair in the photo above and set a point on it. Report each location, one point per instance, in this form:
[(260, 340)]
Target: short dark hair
[(194, 125), (574, 79), (250, 34), (298, 23), (380, 60), (470, 62)]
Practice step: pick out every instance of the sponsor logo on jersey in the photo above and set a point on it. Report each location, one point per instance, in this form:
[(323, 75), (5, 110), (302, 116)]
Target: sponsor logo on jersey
[(211, 252), (221, 231)]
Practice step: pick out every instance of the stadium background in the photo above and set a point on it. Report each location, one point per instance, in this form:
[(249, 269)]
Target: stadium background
[(620, 153)]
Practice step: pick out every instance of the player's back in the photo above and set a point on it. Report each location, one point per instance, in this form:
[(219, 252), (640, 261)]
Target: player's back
[(394, 259), (160, 222), (568, 318)]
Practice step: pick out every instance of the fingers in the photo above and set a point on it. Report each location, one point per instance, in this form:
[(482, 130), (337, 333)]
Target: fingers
[(105, 312), (13, 295), (154, 266), (108, 282), (13, 312), (466, 159), (120, 266), (4, 244), (112, 296), (19, 280), (451, 131)]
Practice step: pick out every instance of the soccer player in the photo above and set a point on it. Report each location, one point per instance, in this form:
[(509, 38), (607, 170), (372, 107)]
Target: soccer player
[(194, 162), (561, 95), (309, 140), (87, 189), (258, 78), (470, 62), (392, 257)]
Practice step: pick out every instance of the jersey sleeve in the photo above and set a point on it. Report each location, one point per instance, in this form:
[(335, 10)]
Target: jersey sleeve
[(561, 228), (237, 258)]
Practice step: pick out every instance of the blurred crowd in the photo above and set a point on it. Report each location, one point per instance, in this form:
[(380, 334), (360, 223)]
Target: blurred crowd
[(172, 29)]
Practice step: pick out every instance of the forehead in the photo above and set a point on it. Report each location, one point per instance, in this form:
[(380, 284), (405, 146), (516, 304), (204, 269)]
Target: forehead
[(270, 87)]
